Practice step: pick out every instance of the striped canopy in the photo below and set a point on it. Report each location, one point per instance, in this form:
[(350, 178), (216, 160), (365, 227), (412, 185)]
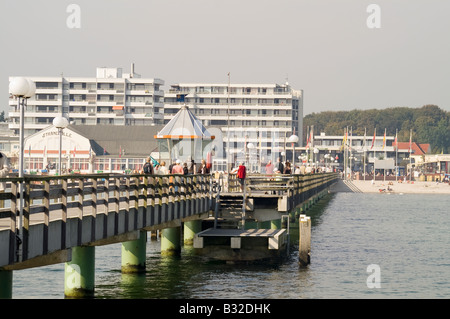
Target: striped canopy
[(184, 125)]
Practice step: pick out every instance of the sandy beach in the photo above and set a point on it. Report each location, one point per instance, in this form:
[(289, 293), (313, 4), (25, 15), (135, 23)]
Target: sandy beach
[(405, 188)]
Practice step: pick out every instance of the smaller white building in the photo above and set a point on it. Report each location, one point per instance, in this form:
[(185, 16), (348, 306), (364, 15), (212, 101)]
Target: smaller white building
[(41, 150), (89, 149)]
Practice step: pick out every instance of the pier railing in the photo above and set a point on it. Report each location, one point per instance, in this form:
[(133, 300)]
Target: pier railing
[(298, 186), (125, 203)]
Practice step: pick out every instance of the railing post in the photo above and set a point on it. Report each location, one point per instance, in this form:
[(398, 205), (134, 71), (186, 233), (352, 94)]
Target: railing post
[(64, 213), (26, 220), (80, 210), (13, 245), (145, 203), (116, 204), (46, 203), (106, 207), (94, 207), (127, 203)]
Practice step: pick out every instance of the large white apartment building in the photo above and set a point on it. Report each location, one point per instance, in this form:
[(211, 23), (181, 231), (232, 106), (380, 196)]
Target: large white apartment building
[(262, 115), (110, 98)]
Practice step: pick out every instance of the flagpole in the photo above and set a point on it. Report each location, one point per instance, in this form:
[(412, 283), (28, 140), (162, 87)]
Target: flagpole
[(364, 152), (410, 146), (228, 130), (345, 153), (396, 152), (385, 155), (373, 143)]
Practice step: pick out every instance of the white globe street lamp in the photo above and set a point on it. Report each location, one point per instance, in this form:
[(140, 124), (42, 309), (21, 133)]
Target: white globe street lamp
[(22, 89), (293, 139), (60, 123)]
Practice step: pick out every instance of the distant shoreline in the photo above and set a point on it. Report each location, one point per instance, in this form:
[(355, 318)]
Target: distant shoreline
[(415, 187)]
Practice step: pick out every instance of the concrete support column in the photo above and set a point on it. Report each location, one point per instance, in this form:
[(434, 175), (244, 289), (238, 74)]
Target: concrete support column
[(6, 280), (79, 274), (134, 254), (190, 229), (171, 241)]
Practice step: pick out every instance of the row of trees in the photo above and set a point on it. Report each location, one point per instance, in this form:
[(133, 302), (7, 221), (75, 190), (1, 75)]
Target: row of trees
[(429, 124)]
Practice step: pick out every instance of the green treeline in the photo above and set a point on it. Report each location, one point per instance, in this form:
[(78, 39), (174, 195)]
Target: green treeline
[(429, 124)]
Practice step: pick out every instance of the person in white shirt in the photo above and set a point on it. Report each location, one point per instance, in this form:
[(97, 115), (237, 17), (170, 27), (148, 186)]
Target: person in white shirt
[(163, 170)]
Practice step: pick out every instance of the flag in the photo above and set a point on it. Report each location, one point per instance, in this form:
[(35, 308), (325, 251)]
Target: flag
[(344, 141), (104, 151), (120, 151), (395, 141), (350, 139), (373, 140), (74, 151), (410, 141), (308, 141), (154, 162), (384, 138)]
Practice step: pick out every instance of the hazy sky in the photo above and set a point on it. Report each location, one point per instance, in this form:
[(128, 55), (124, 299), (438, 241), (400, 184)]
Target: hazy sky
[(322, 47)]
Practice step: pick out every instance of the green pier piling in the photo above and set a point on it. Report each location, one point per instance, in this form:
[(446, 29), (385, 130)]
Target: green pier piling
[(134, 254), (79, 276), (171, 241), (6, 280), (190, 229), (275, 224)]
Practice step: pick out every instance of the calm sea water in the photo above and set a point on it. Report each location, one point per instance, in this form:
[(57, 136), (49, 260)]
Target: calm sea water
[(405, 236)]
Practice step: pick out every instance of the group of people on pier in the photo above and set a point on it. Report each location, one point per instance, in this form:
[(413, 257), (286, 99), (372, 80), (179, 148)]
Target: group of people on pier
[(176, 167), (286, 168)]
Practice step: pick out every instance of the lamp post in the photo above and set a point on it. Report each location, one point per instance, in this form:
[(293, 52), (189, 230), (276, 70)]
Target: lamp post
[(22, 89), (316, 152), (326, 158), (293, 139), (250, 147), (60, 123)]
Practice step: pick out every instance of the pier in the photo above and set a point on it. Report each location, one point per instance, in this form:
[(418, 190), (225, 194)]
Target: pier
[(62, 219)]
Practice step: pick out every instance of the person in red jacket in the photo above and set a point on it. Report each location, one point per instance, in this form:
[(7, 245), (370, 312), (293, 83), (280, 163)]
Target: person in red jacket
[(241, 175)]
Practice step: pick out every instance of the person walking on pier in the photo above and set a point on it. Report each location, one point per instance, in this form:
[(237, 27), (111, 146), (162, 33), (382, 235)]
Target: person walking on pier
[(148, 167), (177, 168), (203, 169), (287, 168), (241, 175), (269, 168), (163, 169), (192, 168), (280, 166)]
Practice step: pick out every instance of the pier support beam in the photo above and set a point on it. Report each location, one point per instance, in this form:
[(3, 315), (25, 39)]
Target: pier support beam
[(170, 241), (190, 229), (134, 254), (79, 276), (6, 280)]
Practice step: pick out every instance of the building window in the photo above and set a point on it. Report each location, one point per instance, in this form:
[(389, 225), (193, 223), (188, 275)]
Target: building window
[(47, 85)]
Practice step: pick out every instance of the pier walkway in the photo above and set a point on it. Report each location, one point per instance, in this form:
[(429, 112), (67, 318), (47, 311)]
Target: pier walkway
[(60, 216)]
